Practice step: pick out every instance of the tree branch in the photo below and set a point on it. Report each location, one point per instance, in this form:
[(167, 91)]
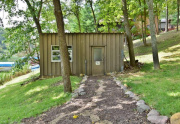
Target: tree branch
[(39, 12), (31, 9)]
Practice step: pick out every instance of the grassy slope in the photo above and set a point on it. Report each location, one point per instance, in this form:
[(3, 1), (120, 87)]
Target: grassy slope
[(18, 102), (159, 88)]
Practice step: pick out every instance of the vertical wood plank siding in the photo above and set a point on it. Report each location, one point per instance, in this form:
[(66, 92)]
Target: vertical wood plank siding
[(82, 44)]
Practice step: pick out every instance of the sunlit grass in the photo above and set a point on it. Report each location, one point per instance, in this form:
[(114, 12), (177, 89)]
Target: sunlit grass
[(159, 88), (18, 102)]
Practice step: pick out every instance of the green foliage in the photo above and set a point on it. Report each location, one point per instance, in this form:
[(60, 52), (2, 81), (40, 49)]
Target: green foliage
[(72, 25), (18, 102), (109, 14), (86, 20), (48, 23), (174, 20), (2, 45), (159, 88)]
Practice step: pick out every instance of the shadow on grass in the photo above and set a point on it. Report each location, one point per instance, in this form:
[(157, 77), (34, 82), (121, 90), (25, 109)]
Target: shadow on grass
[(162, 46), (32, 99)]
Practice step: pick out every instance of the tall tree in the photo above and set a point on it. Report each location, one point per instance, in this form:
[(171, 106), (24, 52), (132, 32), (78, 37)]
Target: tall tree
[(167, 11), (142, 25), (87, 20), (144, 21), (153, 35), (65, 64), (128, 33), (35, 17), (178, 3), (75, 7), (94, 17), (157, 19)]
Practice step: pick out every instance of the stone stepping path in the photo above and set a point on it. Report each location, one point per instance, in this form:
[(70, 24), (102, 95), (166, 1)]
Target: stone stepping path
[(103, 102)]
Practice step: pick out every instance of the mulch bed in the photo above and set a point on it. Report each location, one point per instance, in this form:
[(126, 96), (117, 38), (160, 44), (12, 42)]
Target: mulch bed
[(113, 106)]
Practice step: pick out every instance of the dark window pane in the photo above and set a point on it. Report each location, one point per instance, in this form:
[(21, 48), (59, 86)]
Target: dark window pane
[(97, 54)]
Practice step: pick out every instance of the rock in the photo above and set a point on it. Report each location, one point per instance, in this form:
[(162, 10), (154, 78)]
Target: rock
[(114, 78), (136, 98), (83, 81), (142, 107), (80, 90), (153, 113), (175, 119), (94, 118), (82, 93), (132, 95), (82, 86), (128, 92), (158, 119), (74, 95), (118, 83), (140, 102), (125, 90), (123, 87)]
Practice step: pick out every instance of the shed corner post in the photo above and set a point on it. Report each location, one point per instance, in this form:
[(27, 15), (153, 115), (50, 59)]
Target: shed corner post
[(41, 54)]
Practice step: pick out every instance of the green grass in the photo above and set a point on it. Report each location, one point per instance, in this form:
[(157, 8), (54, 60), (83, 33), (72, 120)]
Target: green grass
[(18, 102), (5, 76), (159, 88)]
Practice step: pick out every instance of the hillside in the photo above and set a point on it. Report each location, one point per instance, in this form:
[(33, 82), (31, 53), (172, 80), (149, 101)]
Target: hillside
[(159, 88)]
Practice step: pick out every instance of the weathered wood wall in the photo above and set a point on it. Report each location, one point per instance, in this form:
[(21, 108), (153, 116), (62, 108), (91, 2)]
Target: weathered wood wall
[(82, 44)]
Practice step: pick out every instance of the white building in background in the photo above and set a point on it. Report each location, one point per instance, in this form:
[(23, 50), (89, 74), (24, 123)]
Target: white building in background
[(162, 25)]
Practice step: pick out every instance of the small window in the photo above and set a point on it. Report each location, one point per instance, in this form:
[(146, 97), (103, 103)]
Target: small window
[(97, 54), (55, 53), (70, 53)]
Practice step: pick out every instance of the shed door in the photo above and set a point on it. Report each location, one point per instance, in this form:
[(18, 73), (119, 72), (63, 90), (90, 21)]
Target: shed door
[(97, 60)]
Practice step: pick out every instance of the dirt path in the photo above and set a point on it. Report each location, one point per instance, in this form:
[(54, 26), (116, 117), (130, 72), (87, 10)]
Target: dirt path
[(104, 103)]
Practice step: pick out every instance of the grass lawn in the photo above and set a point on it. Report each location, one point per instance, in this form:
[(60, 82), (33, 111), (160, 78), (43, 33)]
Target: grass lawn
[(18, 102), (159, 88)]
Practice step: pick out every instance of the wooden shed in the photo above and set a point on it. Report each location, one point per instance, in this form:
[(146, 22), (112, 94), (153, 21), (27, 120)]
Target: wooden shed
[(89, 53)]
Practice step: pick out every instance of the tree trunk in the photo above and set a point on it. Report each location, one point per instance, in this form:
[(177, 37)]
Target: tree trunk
[(157, 19), (166, 17), (142, 27), (65, 64), (153, 35), (95, 23), (79, 23), (128, 33), (178, 2), (32, 11), (145, 23)]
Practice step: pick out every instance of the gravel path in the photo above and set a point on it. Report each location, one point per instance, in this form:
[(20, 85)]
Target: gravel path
[(104, 103)]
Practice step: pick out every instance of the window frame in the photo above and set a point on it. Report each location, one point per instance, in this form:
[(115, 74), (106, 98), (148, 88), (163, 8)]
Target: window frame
[(59, 53)]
